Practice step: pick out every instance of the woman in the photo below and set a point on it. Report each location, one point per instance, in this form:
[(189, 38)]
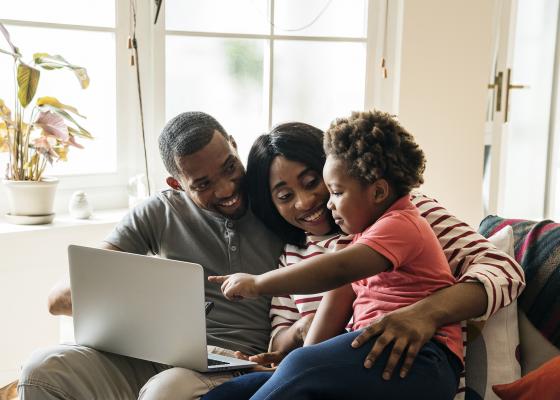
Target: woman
[(288, 162)]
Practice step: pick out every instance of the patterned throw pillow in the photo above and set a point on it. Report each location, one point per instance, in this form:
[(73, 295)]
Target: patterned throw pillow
[(492, 345), (537, 250)]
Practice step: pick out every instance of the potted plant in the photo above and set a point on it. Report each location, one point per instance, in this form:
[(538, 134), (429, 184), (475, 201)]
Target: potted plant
[(37, 134)]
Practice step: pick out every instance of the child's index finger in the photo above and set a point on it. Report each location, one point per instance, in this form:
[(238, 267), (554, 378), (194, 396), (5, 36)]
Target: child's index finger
[(217, 279)]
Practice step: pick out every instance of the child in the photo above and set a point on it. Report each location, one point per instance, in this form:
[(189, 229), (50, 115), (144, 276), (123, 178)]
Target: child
[(395, 260)]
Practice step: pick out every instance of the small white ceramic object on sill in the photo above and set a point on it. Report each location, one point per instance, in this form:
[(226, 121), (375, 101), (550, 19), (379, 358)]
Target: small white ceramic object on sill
[(79, 206), (31, 202), (137, 190)]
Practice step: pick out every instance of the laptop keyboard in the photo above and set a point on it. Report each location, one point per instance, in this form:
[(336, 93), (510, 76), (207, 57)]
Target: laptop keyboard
[(216, 362)]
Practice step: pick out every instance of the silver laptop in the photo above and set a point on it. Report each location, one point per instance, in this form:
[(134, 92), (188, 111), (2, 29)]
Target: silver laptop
[(143, 307)]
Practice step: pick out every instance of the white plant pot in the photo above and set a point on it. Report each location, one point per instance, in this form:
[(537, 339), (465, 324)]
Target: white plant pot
[(31, 198)]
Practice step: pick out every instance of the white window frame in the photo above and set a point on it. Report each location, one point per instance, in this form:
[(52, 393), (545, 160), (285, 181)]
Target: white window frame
[(105, 190), (109, 190), (379, 92)]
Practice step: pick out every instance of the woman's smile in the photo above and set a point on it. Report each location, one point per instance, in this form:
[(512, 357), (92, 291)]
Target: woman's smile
[(315, 216)]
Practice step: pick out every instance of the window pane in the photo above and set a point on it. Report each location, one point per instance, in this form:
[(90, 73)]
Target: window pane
[(241, 16), (97, 102), (320, 18), (317, 82), (75, 12), (222, 77)]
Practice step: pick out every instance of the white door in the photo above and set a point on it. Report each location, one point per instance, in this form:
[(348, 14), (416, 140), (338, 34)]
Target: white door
[(520, 109)]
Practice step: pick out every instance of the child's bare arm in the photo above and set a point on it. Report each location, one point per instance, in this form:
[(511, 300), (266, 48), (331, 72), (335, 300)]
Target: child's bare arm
[(315, 275), (332, 316)]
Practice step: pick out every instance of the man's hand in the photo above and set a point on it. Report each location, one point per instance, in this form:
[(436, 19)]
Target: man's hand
[(407, 329), (237, 286)]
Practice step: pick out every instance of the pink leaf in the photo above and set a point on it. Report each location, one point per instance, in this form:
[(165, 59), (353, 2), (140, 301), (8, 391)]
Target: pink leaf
[(53, 124), (44, 147), (72, 142)]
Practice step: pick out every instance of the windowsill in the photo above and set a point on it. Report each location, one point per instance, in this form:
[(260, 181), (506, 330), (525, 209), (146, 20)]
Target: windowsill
[(65, 221)]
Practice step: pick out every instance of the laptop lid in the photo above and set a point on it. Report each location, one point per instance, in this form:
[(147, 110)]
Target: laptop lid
[(139, 306)]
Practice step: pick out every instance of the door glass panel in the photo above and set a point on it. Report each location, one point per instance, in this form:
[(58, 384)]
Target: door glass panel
[(527, 131)]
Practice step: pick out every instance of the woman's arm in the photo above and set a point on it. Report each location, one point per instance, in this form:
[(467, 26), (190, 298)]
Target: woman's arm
[(472, 258), (290, 322), (332, 316), (293, 336), (289, 326)]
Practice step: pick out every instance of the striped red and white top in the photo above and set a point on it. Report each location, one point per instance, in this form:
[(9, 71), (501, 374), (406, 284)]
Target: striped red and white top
[(285, 310), (471, 258)]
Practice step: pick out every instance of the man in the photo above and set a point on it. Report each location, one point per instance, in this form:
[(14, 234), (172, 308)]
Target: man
[(203, 220)]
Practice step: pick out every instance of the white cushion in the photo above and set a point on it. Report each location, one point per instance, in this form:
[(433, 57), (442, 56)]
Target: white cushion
[(493, 345)]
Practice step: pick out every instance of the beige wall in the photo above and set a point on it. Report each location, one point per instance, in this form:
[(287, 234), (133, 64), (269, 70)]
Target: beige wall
[(32, 261), (445, 62)]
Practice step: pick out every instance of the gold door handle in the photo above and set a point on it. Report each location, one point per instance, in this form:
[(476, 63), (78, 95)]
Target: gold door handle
[(510, 86), (497, 86)]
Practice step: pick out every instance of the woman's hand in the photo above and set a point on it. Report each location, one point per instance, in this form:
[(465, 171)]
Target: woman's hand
[(273, 358), (237, 286), (407, 329), (266, 361)]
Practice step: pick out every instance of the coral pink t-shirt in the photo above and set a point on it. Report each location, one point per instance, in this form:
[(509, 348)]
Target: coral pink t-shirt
[(419, 268)]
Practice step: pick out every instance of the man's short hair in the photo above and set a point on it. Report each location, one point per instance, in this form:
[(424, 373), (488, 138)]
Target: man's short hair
[(186, 134)]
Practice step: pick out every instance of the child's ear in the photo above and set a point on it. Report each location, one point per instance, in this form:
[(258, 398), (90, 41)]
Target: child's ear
[(380, 190)]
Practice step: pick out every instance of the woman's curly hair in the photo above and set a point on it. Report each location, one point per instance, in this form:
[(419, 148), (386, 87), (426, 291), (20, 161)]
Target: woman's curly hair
[(375, 145)]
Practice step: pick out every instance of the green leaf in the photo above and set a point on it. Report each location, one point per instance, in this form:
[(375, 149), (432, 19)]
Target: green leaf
[(78, 132), (82, 76), (46, 61), (50, 62), (53, 104), (27, 79)]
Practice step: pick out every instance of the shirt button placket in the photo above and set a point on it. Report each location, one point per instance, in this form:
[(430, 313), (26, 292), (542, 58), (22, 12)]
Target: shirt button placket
[(233, 247)]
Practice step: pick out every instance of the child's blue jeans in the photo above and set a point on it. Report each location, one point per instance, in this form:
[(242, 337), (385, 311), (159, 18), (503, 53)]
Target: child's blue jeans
[(334, 370)]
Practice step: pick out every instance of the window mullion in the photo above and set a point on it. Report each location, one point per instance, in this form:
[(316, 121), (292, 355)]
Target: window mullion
[(270, 81)]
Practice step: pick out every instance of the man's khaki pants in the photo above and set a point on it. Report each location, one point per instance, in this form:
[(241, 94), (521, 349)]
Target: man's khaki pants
[(72, 372)]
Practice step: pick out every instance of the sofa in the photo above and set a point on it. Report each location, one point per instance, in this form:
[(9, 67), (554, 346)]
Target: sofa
[(521, 337)]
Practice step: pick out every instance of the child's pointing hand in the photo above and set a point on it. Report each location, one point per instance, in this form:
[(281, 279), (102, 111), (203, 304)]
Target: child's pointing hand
[(237, 286)]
